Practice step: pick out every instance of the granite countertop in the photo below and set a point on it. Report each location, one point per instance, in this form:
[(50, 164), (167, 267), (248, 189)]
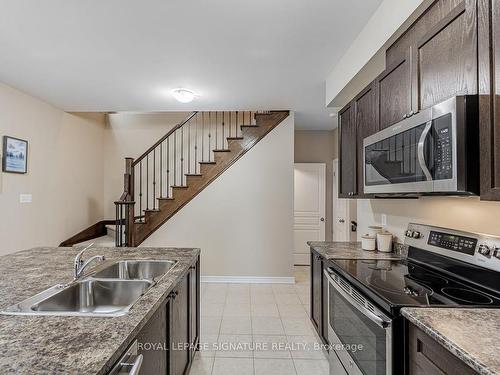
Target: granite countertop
[(351, 250), (470, 334), (73, 345)]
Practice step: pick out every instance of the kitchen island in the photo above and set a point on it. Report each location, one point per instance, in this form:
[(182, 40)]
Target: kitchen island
[(87, 345)]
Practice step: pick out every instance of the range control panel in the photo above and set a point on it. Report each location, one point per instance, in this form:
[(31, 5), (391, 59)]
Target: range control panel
[(474, 248), (462, 244)]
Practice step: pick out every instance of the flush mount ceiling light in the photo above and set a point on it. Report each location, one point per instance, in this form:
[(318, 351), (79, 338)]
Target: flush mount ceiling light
[(183, 95)]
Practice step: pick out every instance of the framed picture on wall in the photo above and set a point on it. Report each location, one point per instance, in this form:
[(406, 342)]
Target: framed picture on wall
[(15, 155)]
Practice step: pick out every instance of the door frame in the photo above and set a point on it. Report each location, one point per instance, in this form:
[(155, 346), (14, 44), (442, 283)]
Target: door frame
[(304, 260), (350, 205)]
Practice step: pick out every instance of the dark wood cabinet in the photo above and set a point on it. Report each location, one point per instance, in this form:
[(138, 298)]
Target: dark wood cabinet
[(179, 321), (151, 343), (168, 340), (446, 57), (428, 357), (439, 51), (489, 97), (316, 295), (194, 303), (319, 296), (448, 51), (394, 94), (365, 110), (348, 153)]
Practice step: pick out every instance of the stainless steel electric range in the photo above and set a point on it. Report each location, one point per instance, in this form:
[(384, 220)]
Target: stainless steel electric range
[(444, 267)]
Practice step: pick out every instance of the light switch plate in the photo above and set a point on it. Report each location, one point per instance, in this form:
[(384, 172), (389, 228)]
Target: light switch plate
[(25, 198), (383, 219)]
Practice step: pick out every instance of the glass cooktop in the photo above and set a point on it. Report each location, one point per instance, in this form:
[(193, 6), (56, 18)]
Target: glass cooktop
[(400, 283)]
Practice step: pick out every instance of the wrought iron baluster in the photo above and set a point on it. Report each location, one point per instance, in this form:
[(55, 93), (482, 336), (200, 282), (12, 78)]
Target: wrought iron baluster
[(189, 147), (209, 136), (161, 170), (196, 146), (236, 123), (223, 135), (140, 188), (154, 179), (202, 136), (147, 182), (182, 156), (216, 138), (168, 167), (175, 158)]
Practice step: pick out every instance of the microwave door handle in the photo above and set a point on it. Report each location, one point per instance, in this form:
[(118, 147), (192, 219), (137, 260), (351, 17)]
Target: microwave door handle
[(381, 322), (420, 151)]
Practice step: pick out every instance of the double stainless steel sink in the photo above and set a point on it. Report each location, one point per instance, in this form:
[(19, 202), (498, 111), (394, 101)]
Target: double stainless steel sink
[(109, 292)]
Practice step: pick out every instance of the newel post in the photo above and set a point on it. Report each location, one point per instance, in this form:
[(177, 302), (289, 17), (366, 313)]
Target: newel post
[(129, 188)]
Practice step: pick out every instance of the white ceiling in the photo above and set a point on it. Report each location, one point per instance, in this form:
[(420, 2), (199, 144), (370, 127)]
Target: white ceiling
[(126, 55)]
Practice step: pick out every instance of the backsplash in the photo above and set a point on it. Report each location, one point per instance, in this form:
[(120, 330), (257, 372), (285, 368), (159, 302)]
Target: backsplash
[(463, 213)]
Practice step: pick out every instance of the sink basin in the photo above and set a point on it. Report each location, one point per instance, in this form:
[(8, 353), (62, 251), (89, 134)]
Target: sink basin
[(90, 297), (135, 270)]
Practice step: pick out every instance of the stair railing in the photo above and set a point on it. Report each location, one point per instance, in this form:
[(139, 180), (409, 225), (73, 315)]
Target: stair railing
[(168, 162)]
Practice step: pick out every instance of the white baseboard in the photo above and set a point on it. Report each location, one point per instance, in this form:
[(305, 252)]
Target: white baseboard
[(248, 280)]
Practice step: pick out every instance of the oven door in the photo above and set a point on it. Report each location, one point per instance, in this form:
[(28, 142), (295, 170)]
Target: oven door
[(417, 155), (360, 334)]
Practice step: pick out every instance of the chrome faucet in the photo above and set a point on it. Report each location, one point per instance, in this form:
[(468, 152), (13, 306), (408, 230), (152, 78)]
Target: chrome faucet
[(80, 265)]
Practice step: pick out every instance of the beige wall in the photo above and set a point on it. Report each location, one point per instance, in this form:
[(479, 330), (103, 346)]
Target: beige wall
[(243, 221), (65, 173), (387, 19), (469, 214), (129, 135), (318, 146)]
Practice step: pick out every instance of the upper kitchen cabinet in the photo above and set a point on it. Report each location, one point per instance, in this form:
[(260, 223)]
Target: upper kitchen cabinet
[(442, 50), (365, 116), (347, 153), (489, 98), (394, 95)]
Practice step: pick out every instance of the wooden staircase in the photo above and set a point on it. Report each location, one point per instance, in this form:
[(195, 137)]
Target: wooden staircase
[(181, 164)]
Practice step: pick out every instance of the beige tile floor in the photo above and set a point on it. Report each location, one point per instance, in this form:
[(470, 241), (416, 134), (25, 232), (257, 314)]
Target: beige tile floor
[(271, 316)]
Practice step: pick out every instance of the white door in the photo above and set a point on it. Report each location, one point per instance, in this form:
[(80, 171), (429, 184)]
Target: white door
[(344, 210), (309, 208)]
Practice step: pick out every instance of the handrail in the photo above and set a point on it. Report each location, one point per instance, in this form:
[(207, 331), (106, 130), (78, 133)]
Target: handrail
[(149, 150)]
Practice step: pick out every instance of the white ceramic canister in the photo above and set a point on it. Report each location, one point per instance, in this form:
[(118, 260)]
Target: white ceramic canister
[(368, 242), (374, 230), (384, 242)]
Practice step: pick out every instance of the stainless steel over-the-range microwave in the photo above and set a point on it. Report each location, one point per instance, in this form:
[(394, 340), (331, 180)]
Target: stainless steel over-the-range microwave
[(435, 151)]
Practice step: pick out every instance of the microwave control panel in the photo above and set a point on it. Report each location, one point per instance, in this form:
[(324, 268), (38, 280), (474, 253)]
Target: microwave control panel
[(443, 149)]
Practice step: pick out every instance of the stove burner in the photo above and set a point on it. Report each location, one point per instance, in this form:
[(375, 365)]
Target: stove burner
[(426, 278), (379, 284), (467, 295), (429, 279), (413, 290)]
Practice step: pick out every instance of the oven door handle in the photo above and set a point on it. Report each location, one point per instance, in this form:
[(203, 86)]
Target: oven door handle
[(381, 321), (420, 151)]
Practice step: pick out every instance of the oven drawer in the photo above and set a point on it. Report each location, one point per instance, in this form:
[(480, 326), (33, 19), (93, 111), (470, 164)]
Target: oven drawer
[(359, 333)]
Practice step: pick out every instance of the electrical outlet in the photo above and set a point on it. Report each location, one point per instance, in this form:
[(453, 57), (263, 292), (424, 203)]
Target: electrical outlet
[(25, 198), (383, 219)]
